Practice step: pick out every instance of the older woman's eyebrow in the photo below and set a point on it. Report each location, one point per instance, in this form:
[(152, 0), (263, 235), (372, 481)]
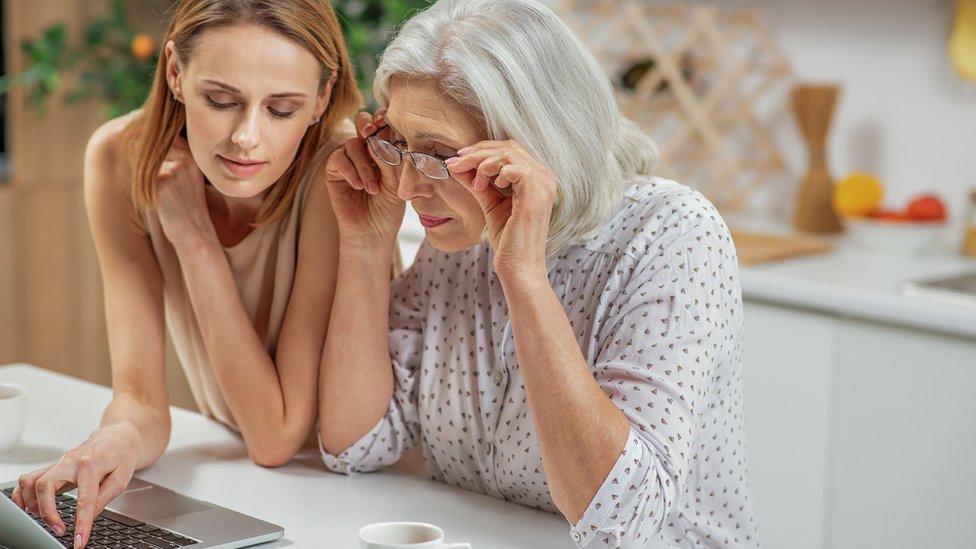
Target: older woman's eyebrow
[(232, 89)]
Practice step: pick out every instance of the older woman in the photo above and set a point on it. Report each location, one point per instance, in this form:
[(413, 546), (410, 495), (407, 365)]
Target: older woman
[(569, 335)]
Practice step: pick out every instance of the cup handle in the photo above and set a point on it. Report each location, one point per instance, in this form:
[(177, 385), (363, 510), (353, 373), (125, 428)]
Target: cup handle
[(456, 546)]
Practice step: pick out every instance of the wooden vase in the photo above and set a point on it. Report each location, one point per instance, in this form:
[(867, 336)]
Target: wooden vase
[(813, 106)]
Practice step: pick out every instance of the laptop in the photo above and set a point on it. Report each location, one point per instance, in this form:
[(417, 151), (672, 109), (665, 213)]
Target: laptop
[(144, 516)]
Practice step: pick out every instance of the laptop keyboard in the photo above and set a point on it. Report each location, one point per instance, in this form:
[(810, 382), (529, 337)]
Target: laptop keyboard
[(111, 530)]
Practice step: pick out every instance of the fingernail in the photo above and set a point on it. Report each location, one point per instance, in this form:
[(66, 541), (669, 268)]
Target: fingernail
[(463, 151), (58, 529), (78, 541), (368, 128), (452, 160)]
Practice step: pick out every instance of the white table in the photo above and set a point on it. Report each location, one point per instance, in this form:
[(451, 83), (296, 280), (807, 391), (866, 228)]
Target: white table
[(317, 508)]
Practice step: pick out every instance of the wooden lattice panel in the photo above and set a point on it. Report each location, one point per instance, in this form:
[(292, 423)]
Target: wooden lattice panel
[(707, 75)]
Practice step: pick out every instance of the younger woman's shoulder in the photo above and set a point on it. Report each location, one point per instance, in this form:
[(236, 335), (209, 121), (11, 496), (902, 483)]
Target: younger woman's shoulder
[(107, 173), (105, 151)]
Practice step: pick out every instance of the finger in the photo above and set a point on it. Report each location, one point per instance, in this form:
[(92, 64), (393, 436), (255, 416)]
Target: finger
[(472, 158), (343, 167), (364, 124), (379, 119), (46, 488), (487, 170), (25, 486), (364, 164), (88, 480), (508, 176), (487, 199), (111, 487)]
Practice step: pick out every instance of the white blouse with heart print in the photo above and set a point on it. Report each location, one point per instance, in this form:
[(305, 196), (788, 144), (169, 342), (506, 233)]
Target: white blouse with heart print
[(655, 302)]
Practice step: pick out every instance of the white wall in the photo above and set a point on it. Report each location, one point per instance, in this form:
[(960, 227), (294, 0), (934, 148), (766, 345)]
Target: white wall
[(903, 113)]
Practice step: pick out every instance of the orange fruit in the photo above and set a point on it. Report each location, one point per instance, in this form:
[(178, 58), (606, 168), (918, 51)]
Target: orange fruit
[(142, 46), (857, 195)]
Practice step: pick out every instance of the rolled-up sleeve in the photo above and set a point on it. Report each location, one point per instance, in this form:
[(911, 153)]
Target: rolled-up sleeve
[(670, 320), (399, 429)]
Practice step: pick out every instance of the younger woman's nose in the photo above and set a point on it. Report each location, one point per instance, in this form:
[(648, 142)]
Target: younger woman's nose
[(247, 134)]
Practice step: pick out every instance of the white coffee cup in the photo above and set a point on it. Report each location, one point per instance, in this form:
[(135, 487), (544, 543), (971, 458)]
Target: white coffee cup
[(405, 535), (13, 415)]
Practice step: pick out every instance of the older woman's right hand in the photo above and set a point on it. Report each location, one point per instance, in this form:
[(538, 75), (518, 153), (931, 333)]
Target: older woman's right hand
[(100, 467), (362, 189)]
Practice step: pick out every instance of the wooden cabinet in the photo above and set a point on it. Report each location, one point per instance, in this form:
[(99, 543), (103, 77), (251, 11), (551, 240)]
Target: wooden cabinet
[(51, 311), (860, 434)]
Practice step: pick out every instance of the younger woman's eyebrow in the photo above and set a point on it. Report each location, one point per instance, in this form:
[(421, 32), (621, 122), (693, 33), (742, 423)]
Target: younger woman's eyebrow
[(232, 89)]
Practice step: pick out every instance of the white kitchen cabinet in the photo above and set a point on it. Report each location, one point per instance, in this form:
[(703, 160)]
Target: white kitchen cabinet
[(860, 433), (904, 470), (788, 373)]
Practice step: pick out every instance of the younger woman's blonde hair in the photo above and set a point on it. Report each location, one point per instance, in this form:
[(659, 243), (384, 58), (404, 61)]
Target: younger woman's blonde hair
[(521, 70), (311, 24)]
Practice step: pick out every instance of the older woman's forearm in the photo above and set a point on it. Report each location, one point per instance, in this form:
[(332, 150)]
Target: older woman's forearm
[(273, 427), (356, 381), (581, 432)]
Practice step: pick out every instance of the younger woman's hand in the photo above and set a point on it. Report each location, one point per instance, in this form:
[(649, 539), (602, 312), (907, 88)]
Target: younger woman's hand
[(181, 202), (100, 467), (363, 189)]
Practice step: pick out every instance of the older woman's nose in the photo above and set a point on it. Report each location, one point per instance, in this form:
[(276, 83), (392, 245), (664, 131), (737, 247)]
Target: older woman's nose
[(247, 134), (413, 184)]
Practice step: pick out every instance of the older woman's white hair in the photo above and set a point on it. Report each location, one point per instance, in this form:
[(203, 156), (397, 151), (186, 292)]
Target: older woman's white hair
[(520, 69)]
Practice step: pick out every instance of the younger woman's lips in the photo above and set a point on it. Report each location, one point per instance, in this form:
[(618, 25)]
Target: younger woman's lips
[(430, 222), (242, 170)]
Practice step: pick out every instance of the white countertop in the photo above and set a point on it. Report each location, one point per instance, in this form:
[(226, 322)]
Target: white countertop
[(849, 281), (853, 282), (317, 508)]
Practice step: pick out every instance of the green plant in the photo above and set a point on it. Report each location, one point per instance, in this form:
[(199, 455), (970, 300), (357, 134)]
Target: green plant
[(368, 26), (113, 62), (116, 64)]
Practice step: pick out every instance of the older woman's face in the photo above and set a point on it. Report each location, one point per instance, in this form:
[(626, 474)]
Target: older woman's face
[(250, 95), (423, 119)]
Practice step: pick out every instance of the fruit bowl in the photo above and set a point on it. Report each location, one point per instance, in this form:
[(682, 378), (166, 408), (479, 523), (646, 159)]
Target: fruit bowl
[(893, 235)]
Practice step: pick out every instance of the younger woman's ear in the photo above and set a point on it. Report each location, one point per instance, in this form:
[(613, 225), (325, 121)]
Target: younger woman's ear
[(322, 101), (173, 71)]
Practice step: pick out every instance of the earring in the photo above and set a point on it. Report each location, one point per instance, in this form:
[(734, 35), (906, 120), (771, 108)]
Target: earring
[(314, 122), (176, 98)]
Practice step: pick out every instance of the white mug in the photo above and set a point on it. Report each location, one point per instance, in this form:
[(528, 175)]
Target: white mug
[(405, 535), (13, 415)]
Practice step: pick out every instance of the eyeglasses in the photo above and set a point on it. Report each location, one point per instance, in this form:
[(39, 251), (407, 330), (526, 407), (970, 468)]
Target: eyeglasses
[(430, 166)]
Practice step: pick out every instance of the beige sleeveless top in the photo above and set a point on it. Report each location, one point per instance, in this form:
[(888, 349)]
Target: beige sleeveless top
[(263, 266)]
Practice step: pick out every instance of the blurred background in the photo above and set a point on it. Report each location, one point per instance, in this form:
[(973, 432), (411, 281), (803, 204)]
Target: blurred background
[(838, 138)]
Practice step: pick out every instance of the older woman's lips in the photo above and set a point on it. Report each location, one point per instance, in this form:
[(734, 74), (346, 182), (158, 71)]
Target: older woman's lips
[(242, 168), (429, 221)]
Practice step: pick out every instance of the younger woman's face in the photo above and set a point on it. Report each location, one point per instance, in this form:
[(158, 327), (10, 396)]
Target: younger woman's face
[(250, 95)]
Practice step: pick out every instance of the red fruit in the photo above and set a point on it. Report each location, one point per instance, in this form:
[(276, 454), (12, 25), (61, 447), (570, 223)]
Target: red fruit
[(926, 208)]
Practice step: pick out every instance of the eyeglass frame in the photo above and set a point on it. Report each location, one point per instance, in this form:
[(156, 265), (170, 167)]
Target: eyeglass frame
[(411, 154)]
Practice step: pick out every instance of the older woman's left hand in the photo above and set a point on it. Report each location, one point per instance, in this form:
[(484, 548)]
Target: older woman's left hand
[(518, 225)]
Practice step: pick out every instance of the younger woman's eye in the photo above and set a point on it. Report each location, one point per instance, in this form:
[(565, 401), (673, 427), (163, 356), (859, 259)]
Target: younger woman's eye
[(217, 104), (281, 114)]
